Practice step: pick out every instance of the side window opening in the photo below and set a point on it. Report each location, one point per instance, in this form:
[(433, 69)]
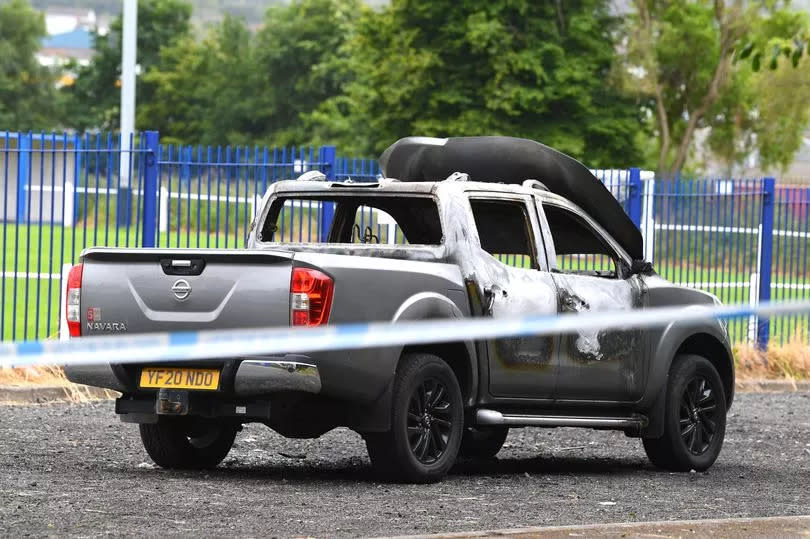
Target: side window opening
[(400, 220), (504, 230), (578, 247), (294, 220)]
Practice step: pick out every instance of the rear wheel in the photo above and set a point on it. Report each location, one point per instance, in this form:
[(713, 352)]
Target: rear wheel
[(426, 423), (185, 445), (482, 443), (694, 417)]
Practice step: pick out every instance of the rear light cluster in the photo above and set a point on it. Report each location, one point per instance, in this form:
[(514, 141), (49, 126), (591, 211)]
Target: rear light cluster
[(310, 297), (73, 301)]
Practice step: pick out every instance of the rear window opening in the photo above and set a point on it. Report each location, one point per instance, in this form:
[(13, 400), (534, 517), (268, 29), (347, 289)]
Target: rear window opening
[(399, 220)]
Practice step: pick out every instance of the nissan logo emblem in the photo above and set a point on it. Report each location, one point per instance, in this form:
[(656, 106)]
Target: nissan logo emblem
[(181, 289)]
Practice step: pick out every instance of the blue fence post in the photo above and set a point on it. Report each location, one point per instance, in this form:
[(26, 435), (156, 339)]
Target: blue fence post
[(23, 174), (151, 175), (636, 194), (766, 258), (327, 157)]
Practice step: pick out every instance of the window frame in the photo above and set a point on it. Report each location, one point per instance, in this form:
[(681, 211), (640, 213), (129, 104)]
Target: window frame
[(620, 256), (534, 230), (310, 195)]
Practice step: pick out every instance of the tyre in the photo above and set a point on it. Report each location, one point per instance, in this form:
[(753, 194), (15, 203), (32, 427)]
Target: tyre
[(482, 443), (694, 417), (180, 445), (427, 420)]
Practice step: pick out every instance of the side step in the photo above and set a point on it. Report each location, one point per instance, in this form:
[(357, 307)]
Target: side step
[(493, 417)]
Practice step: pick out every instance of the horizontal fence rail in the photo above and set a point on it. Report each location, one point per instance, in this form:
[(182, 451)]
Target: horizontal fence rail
[(744, 240)]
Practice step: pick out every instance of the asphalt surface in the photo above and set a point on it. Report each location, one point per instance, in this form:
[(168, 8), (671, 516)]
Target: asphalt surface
[(75, 470)]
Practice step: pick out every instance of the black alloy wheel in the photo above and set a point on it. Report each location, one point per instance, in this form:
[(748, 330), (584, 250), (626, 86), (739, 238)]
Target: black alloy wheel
[(697, 415), (430, 421), (694, 417), (427, 422)]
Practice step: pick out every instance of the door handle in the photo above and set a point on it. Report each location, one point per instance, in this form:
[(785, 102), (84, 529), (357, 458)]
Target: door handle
[(574, 303), (489, 297)]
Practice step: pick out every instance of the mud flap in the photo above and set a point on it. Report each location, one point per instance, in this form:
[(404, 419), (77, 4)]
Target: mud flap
[(655, 415)]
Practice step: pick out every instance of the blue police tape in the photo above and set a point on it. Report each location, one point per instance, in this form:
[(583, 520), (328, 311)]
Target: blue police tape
[(217, 344)]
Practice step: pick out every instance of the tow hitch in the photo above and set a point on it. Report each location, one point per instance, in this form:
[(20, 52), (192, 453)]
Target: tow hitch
[(172, 402)]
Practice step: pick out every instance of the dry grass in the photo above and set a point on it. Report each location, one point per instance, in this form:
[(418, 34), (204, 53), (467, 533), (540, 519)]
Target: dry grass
[(33, 376), (50, 377), (789, 361)]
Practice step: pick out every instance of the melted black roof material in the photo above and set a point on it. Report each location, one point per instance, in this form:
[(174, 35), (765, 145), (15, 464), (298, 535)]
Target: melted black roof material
[(512, 160)]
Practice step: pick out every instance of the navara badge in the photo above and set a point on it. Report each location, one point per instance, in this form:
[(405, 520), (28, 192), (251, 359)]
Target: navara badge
[(181, 289)]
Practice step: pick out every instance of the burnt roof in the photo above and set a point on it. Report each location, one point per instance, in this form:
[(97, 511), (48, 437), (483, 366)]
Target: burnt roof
[(512, 160)]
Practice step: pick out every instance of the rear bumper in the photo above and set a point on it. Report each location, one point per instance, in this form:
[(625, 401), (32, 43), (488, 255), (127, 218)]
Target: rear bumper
[(99, 375), (253, 377), (275, 374)]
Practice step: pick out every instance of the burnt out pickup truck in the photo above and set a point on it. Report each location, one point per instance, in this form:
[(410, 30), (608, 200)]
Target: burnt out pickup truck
[(469, 227)]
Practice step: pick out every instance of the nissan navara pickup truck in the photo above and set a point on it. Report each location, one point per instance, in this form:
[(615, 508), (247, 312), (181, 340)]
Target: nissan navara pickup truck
[(492, 227)]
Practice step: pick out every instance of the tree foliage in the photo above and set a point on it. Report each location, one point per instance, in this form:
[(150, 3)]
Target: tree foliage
[(237, 87), (635, 91), (26, 87), (683, 55), (96, 95), (536, 69)]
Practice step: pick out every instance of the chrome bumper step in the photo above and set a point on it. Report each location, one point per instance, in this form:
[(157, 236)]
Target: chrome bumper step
[(493, 417)]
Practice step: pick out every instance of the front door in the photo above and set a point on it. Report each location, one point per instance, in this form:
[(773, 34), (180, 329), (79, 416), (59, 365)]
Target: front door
[(595, 365), (514, 282)]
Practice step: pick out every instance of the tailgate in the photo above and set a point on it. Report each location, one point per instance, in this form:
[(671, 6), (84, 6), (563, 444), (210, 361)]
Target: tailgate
[(150, 290)]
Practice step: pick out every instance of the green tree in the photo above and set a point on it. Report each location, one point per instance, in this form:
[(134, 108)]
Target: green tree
[(205, 92), (300, 57), (96, 92), (537, 69), (681, 56), (26, 87), (236, 87), (764, 112)]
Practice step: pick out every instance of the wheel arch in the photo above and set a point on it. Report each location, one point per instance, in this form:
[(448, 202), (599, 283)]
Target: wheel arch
[(718, 354), (709, 340), (460, 356)]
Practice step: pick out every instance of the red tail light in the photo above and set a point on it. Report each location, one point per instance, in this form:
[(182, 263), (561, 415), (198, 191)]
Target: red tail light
[(73, 313), (310, 297)]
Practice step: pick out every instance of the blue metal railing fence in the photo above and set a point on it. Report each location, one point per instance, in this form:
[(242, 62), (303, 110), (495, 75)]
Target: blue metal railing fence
[(744, 240)]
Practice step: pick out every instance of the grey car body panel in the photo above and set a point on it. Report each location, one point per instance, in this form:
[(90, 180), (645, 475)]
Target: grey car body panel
[(129, 287), (99, 375), (250, 288), (666, 340)]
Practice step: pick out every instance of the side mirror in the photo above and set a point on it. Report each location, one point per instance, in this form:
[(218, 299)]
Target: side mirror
[(641, 267)]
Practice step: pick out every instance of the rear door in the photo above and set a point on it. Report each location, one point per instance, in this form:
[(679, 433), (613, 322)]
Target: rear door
[(591, 274), (150, 290), (515, 282)]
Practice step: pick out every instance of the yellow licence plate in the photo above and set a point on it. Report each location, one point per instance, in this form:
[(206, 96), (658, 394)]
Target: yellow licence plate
[(176, 378)]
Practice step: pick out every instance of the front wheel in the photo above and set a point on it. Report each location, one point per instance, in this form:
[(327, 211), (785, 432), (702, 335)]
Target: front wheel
[(694, 417), (426, 423), (182, 445)]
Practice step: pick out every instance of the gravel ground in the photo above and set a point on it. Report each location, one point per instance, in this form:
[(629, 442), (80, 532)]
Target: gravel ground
[(75, 470)]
